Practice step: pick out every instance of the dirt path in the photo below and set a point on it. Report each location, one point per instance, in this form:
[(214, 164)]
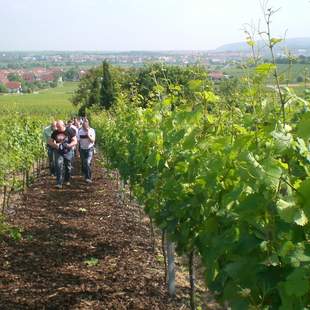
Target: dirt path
[(80, 250)]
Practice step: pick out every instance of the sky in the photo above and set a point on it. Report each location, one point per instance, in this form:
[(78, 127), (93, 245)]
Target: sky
[(123, 25)]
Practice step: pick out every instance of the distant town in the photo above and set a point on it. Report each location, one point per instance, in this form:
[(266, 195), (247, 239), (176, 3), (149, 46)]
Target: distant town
[(28, 71), (135, 58)]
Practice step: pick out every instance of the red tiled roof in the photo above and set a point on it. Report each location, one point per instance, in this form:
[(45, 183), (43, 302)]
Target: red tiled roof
[(13, 85), (216, 75), (47, 77), (39, 70), (56, 70), (28, 76)]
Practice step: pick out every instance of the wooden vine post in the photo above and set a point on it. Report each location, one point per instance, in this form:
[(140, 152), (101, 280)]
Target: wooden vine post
[(171, 268), (191, 269)]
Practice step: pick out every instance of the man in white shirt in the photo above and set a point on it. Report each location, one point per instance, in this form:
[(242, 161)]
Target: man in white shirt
[(86, 138)]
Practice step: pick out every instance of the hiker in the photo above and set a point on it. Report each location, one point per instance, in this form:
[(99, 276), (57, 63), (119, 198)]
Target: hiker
[(63, 140), (76, 130), (86, 139), (47, 133), (70, 124), (77, 122)]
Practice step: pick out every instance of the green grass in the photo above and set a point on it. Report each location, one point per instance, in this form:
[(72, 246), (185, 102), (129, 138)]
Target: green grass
[(293, 72), (53, 102), (287, 73)]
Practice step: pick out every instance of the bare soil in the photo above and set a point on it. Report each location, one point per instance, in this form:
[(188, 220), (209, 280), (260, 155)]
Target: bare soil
[(81, 249)]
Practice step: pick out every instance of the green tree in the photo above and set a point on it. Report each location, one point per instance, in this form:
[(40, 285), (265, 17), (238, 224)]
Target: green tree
[(72, 74), (299, 79), (94, 96), (107, 90), (13, 77), (3, 88), (87, 94)]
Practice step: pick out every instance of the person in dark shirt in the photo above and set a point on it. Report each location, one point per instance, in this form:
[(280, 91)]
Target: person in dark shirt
[(50, 151), (63, 140)]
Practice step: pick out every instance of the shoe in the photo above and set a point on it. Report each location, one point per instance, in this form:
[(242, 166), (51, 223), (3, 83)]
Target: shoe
[(59, 186), (88, 181), (67, 183)]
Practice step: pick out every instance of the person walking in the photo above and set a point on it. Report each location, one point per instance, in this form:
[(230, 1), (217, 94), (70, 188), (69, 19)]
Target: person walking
[(86, 138), (77, 122), (47, 133), (63, 140), (70, 124)]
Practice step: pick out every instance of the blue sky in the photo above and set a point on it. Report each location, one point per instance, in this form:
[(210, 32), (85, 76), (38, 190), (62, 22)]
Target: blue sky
[(140, 24)]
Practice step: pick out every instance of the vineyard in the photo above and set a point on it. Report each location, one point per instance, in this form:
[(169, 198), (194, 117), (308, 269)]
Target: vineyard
[(224, 176), (222, 170), (148, 161), (21, 145), (21, 149)]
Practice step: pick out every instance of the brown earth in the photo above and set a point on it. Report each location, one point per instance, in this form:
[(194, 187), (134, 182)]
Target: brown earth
[(81, 249)]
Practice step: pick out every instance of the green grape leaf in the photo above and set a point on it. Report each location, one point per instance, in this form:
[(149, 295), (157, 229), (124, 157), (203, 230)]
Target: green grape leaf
[(290, 213), (297, 283), (304, 191), (210, 96), (287, 248), (195, 85), (275, 41), (300, 218), (265, 69), (250, 42), (286, 210), (273, 171), (303, 128)]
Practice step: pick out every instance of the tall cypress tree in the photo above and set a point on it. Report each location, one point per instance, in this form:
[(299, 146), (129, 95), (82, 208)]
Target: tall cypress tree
[(107, 94), (94, 97)]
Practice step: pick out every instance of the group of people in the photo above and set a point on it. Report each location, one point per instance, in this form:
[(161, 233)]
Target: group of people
[(64, 142)]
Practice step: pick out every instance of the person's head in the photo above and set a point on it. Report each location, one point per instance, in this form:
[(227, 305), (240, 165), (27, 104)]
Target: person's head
[(76, 122), (53, 125), (60, 125), (69, 123), (85, 124)]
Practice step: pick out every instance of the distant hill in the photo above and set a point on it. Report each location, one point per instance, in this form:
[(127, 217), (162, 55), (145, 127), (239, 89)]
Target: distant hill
[(293, 44)]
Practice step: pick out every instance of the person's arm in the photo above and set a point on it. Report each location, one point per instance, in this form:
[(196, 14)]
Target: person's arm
[(51, 142), (45, 136), (91, 136), (72, 143)]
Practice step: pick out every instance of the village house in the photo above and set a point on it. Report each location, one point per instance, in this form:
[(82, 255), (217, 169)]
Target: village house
[(216, 76), (29, 77), (13, 87), (47, 77), (3, 77)]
